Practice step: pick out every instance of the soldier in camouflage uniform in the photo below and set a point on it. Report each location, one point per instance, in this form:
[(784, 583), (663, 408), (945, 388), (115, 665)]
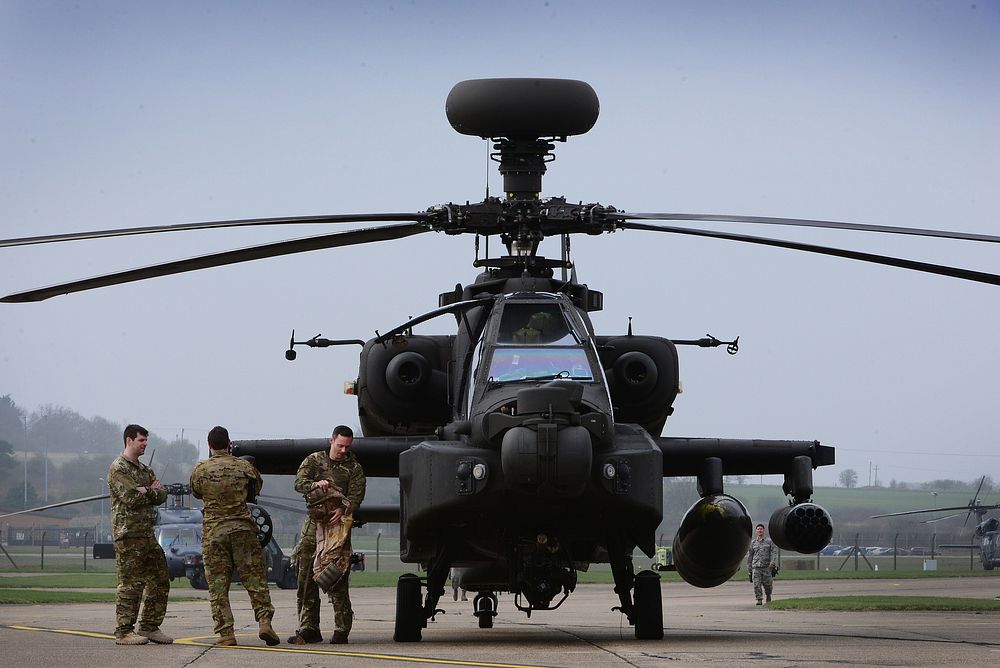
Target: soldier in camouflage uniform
[(339, 468), (139, 560), (229, 537), (760, 561)]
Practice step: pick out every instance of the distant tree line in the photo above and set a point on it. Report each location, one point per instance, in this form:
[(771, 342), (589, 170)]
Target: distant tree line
[(849, 478), (83, 447)]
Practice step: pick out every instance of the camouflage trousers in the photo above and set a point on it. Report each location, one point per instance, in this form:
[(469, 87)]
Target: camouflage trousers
[(241, 551), (308, 593), (141, 567), (762, 580)]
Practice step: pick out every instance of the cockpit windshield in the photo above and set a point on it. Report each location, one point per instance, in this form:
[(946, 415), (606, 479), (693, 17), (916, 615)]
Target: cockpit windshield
[(174, 536), (537, 342), (516, 363)]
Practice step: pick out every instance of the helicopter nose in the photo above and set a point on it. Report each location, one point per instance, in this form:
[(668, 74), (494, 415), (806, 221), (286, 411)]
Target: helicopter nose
[(547, 459), (547, 454)]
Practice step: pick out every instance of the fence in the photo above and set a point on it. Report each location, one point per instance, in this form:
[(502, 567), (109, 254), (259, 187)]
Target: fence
[(52, 536)]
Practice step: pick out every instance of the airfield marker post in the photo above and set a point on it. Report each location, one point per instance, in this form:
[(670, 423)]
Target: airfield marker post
[(43, 551), (9, 558), (86, 535), (378, 550), (895, 550)]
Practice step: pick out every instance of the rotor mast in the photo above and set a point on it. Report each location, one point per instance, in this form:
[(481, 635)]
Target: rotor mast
[(522, 117)]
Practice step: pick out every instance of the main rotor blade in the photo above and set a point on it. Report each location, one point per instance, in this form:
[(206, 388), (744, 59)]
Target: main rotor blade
[(926, 510), (58, 505), (280, 498), (363, 514), (281, 506), (975, 497), (275, 249), (938, 519), (804, 222), (943, 270), (217, 224)]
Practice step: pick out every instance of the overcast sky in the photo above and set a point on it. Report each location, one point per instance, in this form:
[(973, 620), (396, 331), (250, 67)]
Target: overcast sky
[(119, 114)]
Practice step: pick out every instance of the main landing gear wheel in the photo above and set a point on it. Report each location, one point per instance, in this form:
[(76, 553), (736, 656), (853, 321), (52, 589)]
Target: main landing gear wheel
[(290, 580), (409, 609), (648, 606), (198, 580)]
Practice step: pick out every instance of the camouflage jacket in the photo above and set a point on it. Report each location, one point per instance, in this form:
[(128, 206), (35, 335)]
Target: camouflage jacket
[(133, 513), (347, 476), (221, 481), (761, 553)]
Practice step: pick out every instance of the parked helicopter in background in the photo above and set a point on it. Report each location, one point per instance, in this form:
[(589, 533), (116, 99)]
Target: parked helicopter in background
[(177, 527), (527, 445), (987, 530)]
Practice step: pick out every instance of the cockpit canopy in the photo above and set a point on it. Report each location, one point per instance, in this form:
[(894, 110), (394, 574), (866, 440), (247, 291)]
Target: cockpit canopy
[(534, 324), (536, 341)]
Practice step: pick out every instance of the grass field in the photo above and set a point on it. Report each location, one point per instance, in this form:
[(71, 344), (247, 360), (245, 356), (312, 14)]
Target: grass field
[(29, 596), (884, 499), (862, 603)]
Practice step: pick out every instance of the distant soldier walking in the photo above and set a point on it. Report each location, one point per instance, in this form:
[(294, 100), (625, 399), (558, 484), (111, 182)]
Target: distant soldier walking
[(229, 538), (334, 470), (760, 562), (139, 560)]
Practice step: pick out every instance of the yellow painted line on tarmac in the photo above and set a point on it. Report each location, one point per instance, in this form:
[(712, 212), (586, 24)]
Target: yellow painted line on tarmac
[(209, 641), (70, 632)]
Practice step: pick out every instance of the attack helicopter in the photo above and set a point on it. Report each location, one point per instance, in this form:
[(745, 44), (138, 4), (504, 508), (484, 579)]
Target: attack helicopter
[(527, 445), (987, 530)]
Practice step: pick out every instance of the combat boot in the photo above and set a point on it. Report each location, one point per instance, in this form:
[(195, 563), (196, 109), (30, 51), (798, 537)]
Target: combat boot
[(339, 638), (267, 633), (131, 639), (226, 641), (306, 637), (768, 598), (157, 636)]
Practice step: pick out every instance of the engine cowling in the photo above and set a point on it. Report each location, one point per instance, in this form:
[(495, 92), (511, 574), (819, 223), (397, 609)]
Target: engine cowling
[(804, 527), (712, 540), (642, 375), (403, 386)]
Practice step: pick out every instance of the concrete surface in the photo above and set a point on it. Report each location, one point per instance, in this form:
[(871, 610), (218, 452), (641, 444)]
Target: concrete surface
[(720, 626)]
